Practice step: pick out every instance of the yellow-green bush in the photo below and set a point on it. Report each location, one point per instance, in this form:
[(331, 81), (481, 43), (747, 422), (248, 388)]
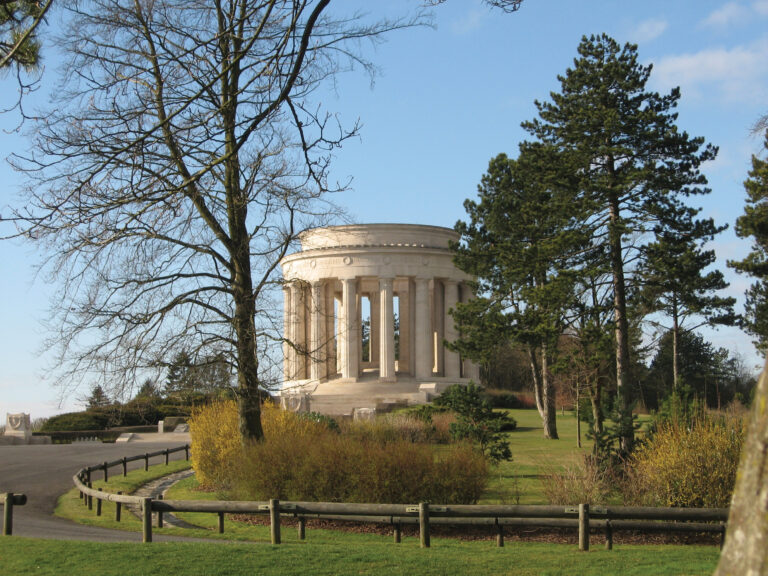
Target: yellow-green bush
[(301, 459), (216, 451), (689, 466), (215, 443)]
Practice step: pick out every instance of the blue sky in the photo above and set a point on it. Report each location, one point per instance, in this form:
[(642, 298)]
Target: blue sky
[(445, 102)]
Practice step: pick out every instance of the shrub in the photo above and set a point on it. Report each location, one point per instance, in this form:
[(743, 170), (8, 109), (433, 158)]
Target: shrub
[(75, 421), (334, 468), (689, 465), (216, 451), (584, 483), (305, 459), (215, 443), (476, 421)]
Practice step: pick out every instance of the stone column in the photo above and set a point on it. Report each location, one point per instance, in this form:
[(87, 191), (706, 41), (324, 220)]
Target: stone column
[(341, 335), (387, 333), (316, 333), (287, 336), (452, 362), (298, 331), (350, 358), (423, 330), (330, 329)]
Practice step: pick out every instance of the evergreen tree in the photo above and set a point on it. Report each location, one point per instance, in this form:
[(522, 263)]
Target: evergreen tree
[(674, 281), (633, 166), (518, 244), (754, 224), (98, 398), (18, 22)]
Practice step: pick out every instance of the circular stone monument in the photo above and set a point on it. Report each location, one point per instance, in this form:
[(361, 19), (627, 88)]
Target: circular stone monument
[(396, 282)]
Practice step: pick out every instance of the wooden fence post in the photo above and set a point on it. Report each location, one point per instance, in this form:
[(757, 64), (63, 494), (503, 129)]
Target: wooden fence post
[(125, 466), (424, 524), (499, 534), (221, 522), (146, 462), (106, 472), (302, 528), (274, 520), (584, 527), (166, 456), (186, 451), (397, 532), (98, 505), (8, 514), (160, 513), (608, 534), (146, 514), (118, 508), (90, 498)]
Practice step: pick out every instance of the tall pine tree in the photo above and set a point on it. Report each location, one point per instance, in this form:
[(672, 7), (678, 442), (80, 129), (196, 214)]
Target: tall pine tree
[(754, 224), (518, 243), (676, 284), (633, 165)]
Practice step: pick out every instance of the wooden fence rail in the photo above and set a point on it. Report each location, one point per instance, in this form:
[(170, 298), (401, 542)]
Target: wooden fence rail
[(8, 501), (583, 517)]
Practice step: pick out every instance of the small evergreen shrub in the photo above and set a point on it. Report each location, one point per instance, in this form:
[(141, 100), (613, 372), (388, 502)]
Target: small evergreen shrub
[(476, 421)]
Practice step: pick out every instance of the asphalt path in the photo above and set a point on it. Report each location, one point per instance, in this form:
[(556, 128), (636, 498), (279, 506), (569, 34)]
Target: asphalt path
[(45, 472)]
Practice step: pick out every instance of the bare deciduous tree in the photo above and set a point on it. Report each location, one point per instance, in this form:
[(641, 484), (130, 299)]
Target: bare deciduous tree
[(181, 160)]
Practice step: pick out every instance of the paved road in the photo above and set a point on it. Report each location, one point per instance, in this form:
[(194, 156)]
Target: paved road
[(44, 473)]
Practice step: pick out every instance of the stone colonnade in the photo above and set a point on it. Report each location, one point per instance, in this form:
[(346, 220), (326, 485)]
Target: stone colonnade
[(389, 271)]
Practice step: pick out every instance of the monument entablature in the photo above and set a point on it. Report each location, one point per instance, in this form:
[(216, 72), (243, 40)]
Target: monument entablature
[(401, 276)]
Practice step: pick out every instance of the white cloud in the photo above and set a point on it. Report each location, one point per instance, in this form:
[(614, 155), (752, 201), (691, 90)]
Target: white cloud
[(737, 74), (648, 30), (731, 13), (761, 7)]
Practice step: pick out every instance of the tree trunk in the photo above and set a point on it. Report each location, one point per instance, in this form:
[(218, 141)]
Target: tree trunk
[(746, 544), (538, 392), (544, 393), (550, 405), (675, 344), (623, 386)]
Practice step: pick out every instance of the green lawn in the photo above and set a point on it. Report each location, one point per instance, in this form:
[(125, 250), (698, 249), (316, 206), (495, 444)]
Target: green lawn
[(352, 555), (532, 455)]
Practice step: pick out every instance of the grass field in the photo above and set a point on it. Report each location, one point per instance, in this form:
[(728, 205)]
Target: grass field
[(355, 555)]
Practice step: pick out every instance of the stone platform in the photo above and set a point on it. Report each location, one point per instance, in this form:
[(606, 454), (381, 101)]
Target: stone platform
[(342, 397)]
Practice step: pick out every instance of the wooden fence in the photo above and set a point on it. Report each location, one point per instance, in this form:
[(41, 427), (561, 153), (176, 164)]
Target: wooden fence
[(583, 517), (8, 502)]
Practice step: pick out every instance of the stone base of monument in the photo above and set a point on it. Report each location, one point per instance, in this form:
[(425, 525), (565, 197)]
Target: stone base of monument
[(340, 397)]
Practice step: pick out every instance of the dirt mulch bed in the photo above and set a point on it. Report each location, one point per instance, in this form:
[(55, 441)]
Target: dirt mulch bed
[(511, 533)]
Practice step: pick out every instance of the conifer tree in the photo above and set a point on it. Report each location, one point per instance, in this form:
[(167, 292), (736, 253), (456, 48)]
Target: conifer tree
[(754, 223), (632, 163), (676, 284), (517, 245), (18, 22)]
